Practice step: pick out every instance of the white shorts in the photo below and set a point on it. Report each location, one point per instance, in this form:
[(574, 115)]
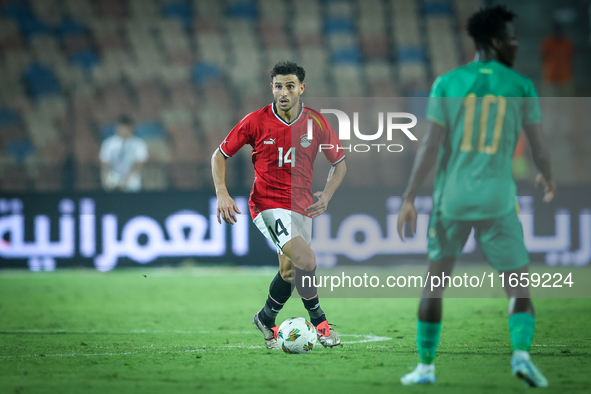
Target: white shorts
[(280, 226)]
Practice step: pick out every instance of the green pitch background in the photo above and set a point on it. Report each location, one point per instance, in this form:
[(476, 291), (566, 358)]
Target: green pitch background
[(189, 330)]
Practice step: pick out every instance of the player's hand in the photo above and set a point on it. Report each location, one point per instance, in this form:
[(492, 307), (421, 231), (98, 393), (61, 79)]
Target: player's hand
[(549, 187), (407, 213), (226, 208), (319, 206)]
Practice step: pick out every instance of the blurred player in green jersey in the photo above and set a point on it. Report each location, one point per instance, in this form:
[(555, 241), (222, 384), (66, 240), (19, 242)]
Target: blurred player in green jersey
[(476, 114)]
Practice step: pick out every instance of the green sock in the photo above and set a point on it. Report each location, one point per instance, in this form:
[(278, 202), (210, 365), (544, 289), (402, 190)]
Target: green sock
[(521, 330), (427, 340)]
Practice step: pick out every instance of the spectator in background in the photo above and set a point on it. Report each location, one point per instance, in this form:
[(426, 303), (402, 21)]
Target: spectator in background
[(122, 156), (557, 53)]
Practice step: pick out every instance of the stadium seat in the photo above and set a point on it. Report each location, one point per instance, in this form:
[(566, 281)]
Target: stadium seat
[(342, 40), (378, 71), (69, 27), (339, 25), (207, 10), (176, 116), (374, 45), (52, 107), (437, 8), (18, 10), (204, 72), (82, 10), (112, 9), (339, 9), (49, 11), (150, 130), (180, 10), (8, 117), (272, 10), (411, 55), (159, 151), (41, 80), (19, 149), (346, 55), (243, 10), (86, 59), (10, 36), (183, 96)]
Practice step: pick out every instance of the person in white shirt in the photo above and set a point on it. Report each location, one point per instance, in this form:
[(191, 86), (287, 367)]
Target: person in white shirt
[(122, 156)]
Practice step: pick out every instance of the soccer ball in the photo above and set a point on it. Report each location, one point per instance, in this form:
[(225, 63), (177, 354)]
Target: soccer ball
[(296, 335)]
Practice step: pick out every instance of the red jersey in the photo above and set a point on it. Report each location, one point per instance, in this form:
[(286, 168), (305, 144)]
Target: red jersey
[(282, 156)]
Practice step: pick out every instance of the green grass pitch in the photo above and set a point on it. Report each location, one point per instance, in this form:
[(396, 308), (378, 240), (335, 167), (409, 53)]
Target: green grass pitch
[(189, 330)]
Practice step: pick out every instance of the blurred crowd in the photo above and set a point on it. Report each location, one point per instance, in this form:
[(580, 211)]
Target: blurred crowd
[(181, 73)]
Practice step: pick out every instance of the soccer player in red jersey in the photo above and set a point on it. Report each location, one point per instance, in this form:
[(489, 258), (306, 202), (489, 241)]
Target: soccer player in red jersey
[(281, 201)]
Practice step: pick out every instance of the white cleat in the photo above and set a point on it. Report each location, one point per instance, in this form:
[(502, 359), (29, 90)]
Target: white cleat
[(524, 369), (269, 334), (423, 374), (330, 340)]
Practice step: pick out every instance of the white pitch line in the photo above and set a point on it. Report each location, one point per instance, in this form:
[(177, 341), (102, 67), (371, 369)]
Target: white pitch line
[(366, 339), (548, 345)]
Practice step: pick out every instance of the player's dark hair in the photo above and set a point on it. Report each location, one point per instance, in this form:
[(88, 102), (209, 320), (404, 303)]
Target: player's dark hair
[(125, 120), (286, 67), (489, 23)]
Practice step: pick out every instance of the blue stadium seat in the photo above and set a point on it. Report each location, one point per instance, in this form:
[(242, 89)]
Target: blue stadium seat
[(243, 10), (70, 27), (8, 117), (204, 72), (20, 149), (150, 130), (41, 80), (86, 59), (34, 27), (334, 26), (18, 11), (347, 55), (180, 10), (411, 55), (437, 8), (108, 130)]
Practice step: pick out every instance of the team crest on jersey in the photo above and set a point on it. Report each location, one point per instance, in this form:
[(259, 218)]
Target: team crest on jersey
[(304, 141)]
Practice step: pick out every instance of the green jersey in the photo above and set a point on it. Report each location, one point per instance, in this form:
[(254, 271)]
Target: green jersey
[(483, 107)]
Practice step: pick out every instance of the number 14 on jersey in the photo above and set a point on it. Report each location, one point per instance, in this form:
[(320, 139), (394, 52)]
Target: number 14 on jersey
[(289, 157)]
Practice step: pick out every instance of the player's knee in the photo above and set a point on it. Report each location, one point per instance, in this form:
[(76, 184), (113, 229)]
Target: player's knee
[(286, 274), (305, 260)]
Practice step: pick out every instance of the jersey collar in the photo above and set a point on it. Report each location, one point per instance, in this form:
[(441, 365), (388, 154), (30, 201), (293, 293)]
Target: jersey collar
[(283, 121)]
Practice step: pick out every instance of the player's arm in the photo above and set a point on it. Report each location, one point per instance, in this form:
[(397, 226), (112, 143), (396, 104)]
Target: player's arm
[(226, 206), (335, 178), (541, 157), (424, 162)]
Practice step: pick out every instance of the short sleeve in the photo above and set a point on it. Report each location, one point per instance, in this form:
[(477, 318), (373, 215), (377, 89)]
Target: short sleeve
[(237, 138), (531, 107), (435, 105), (331, 137)]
